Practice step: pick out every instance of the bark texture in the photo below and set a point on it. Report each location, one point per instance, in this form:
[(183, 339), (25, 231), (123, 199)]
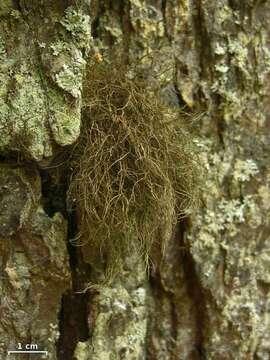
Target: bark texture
[(211, 297)]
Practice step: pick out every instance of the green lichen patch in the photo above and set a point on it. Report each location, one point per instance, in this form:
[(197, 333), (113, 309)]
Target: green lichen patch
[(5, 7), (67, 79), (134, 168), (244, 170), (78, 25), (28, 114), (64, 119), (17, 197), (114, 330), (42, 49)]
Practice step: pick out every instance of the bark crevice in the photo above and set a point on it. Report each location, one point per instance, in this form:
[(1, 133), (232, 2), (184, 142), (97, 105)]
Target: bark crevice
[(73, 314), (195, 292)]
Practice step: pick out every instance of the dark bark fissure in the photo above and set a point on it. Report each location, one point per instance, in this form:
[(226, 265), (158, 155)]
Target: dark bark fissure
[(95, 24), (18, 5), (181, 102), (202, 41), (73, 325), (164, 10), (194, 290)]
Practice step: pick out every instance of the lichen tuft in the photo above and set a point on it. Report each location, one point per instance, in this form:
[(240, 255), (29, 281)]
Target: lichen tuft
[(134, 168)]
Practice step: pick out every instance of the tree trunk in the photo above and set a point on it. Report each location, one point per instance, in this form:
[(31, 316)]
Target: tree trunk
[(210, 299)]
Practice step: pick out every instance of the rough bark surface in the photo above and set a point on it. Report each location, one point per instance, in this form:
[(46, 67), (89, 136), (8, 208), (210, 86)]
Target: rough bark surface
[(210, 299)]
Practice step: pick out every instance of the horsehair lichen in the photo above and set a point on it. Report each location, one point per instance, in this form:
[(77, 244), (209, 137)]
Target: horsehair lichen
[(134, 168)]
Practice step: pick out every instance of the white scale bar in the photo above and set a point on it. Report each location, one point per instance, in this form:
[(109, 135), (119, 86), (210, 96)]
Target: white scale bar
[(27, 352)]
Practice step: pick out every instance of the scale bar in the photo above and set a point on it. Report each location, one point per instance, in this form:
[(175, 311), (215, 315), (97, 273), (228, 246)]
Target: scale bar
[(27, 352)]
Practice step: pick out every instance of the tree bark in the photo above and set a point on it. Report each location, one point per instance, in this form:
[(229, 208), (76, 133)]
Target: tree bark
[(210, 299)]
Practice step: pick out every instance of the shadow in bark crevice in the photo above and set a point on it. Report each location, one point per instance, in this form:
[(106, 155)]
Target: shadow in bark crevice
[(178, 301), (194, 290), (73, 315)]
